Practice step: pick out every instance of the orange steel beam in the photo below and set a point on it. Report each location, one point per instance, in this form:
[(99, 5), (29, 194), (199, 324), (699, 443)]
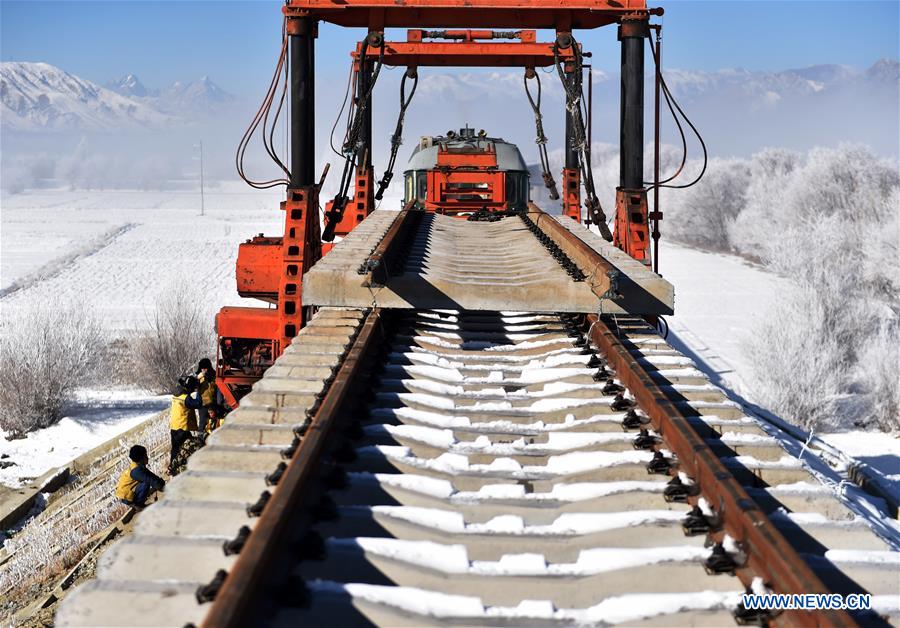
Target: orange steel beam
[(468, 54), (554, 14)]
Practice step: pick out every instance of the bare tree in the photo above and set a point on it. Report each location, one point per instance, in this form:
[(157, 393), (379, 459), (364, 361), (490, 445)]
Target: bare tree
[(46, 353), (179, 332)]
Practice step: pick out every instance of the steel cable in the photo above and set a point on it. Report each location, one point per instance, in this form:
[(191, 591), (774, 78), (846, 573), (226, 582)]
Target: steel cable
[(351, 146), (541, 137), (574, 106)]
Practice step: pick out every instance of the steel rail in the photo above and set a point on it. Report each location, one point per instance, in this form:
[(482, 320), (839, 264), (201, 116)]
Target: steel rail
[(603, 276), (234, 601), (377, 266), (769, 555)]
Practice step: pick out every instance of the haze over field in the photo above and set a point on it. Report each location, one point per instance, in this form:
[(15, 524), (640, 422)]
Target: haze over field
[(61, 129)]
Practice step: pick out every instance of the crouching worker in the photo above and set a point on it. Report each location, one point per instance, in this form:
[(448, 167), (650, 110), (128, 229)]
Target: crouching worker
[(207, 391), (183, 416), (215, 417), (137, 481)]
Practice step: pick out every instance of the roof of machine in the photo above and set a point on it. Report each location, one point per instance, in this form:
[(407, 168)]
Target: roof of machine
[(424, 155)]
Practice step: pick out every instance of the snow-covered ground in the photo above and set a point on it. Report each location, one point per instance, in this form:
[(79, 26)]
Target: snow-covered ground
[(155, 240), (718, 299), (118, 250), (96, 417)]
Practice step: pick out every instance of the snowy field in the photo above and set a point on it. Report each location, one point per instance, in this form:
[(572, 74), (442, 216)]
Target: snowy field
[(117, 251), (718, 300)]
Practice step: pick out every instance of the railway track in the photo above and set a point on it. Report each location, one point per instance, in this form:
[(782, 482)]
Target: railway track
[(485, 468)]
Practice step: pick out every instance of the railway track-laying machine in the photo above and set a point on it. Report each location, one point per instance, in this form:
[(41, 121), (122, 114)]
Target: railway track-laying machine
[(463, 412), (463, 173)]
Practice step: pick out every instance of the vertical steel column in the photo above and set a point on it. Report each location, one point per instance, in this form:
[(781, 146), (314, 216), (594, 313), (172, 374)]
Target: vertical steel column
[(632, 233), (301, 244), (302, 101), (656, 214), (362, 201), (631, 122)]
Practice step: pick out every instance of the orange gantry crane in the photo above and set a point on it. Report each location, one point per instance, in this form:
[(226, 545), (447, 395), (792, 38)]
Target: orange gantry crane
[(442, 33)]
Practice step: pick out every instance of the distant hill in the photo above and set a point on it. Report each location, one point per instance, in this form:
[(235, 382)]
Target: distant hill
[(39, 96), (193, 96), (129, 85)]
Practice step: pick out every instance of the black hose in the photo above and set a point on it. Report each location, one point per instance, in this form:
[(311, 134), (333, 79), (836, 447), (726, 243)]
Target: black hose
[(670, 103), (397, 137)]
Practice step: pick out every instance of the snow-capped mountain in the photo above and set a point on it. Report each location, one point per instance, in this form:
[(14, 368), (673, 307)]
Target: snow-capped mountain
[(129, 85), (41, 96), (885, 70), (737, 110), (784, 84), (796, 108), (826, 74), (194, 95), (181, 98)]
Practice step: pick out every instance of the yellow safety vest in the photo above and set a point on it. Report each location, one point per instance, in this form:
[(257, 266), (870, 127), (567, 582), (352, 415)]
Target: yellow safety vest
[(208, 390), (127, 485), (182, 417)]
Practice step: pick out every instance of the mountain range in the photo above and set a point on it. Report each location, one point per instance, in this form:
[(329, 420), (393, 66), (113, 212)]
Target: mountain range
[(190, 96), (39, 96), (738, 110)]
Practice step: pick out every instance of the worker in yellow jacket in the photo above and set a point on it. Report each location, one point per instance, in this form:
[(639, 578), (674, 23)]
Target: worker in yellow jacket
[(137, 482), (183, 416)]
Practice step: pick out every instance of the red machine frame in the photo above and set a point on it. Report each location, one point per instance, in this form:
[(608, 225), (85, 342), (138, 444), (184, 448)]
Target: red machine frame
[(451, 184), (271, 269)]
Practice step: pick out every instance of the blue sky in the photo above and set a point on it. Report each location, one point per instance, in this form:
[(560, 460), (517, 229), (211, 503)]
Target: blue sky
[(235, 42)]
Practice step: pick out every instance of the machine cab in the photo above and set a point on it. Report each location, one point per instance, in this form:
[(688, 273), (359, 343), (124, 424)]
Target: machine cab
[(466, 172)]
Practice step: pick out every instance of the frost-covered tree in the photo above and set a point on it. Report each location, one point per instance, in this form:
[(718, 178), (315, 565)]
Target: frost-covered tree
[(798, 363), (45, 353), (703, 215), (770, 171), (832, 229), (880, 375)]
